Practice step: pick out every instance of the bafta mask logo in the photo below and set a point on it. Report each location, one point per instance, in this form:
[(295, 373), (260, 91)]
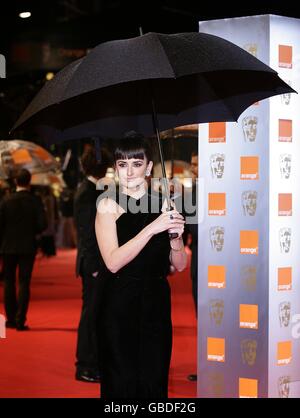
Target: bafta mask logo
[(216, 384), (249, 349), (249, 202), (248, 274), (285, 238), (216, 234), (285, 163), (250, 128), (284, 386), (217, 165), (216, 311), (286, 97), (251, 48), (284, 314)]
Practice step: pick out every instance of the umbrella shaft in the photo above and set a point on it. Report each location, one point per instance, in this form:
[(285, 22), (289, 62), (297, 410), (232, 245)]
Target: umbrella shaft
[(172, 235), (163, 168), (161, 155)]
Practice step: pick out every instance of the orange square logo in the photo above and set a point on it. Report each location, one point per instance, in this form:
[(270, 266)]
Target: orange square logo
[(285, 130), (249, 168), (285, 56), (284, 278), (284, 353), (216, 349), (249, 242), (217, 204), (216, 277), (248, 388), (217, 132), (285, 204), (249, 316)]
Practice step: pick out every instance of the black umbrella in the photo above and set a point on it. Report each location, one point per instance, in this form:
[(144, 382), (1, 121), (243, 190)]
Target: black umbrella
[(150, 83)]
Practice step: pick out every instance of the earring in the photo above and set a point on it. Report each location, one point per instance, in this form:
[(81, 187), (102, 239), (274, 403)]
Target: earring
[(147, 173)]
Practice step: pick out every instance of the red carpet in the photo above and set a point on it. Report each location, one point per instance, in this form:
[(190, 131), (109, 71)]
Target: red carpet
[(40, 363)]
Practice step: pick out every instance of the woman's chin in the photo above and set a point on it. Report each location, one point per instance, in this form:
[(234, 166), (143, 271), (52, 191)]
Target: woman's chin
[(133, 184)]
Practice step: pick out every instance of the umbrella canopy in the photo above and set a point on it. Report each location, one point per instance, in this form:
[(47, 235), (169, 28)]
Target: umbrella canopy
[(191, 78), (24, 154), (48, 179)]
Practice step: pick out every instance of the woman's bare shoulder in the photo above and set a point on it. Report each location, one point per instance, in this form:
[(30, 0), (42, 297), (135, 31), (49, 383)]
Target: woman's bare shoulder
[(107, 205)]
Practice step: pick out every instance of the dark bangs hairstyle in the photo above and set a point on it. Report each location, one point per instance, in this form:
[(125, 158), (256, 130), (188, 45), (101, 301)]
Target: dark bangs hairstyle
[(133, 145)]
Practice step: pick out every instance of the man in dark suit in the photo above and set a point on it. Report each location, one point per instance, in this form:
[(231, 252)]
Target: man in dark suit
[(90, 266), (22, 217)]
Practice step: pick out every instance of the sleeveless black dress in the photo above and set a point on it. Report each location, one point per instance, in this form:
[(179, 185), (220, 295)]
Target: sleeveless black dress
[(137, 328)]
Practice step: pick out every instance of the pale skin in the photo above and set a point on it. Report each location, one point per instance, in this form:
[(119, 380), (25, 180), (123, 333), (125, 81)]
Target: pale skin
[(131, 173)]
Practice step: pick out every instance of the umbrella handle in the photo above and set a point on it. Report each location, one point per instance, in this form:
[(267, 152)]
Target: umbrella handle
[(172, 235)]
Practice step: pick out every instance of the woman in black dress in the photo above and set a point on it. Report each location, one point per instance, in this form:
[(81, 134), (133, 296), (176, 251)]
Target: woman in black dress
[(135, 246)]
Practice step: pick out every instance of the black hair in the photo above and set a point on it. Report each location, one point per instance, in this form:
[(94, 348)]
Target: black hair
[(90, 165), (22, 177), (133, 145)]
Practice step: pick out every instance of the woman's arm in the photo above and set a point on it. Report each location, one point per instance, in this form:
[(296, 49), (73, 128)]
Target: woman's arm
[(178, 256), (116, 257)]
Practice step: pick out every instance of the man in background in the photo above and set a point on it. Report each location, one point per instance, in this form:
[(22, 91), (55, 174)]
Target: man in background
[(22, 218), (89, 266)]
